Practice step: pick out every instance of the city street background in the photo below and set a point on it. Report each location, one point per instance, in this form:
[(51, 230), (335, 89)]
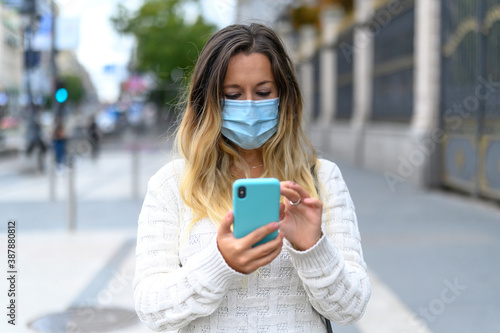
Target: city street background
[(404, 95), (432, 255)]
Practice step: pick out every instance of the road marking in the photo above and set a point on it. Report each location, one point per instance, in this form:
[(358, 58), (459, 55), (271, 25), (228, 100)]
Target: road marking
[(387, 314)]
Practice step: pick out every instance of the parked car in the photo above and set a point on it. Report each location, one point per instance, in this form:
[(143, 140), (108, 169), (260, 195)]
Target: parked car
[(107, 122)]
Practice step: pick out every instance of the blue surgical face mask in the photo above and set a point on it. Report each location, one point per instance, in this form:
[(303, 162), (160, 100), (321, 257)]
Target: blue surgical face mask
[(249, 124)]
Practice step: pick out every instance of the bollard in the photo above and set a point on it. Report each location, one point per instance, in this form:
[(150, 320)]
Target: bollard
[(71, 204), (52, 180), (135, 173)]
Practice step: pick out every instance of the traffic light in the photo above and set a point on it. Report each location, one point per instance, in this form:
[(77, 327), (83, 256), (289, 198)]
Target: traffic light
[(61, 95)]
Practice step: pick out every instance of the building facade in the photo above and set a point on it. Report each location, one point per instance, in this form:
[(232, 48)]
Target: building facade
[(410, 89), (11, 55)]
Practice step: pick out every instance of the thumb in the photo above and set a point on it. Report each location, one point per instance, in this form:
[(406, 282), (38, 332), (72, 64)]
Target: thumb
[(227, 221)]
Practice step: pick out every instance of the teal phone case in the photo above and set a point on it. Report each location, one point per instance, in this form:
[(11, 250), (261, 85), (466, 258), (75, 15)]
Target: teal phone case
[(260, 206)]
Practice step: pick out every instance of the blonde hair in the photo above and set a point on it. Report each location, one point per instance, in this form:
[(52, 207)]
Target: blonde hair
[(206, 185)]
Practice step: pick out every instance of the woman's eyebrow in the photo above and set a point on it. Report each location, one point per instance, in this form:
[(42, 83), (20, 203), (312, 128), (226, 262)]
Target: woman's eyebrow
[(264, 82), (231, 86), (234, 85)]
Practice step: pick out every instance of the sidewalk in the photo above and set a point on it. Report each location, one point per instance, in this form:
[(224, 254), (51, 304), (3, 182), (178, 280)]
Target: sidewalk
[(59, 270), (435, 252), (56, 269), (416, 244)]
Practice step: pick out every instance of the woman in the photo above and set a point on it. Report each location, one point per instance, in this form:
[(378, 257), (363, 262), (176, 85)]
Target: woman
[(243, 119), (59, 142)]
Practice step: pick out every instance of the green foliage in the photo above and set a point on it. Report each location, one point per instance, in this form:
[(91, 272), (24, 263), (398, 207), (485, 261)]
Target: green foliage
[(166, 42), (74, 86), (47, 102)]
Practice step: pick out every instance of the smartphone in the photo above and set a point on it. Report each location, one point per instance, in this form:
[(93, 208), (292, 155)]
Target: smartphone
[(256, 202)]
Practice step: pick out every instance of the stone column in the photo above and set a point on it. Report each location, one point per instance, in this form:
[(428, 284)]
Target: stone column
[(362, 55), (424, 124), (328, 60), (307, 48), (427, 65), (330, 19)]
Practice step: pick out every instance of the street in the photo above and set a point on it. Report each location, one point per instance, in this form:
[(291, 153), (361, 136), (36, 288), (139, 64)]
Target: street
[(432, 256), (101, 187)]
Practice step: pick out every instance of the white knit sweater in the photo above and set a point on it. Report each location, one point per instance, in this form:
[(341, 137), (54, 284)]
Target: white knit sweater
[(182, 281)]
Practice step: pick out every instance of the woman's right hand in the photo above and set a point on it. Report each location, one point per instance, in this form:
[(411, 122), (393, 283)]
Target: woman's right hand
[(239, 253)]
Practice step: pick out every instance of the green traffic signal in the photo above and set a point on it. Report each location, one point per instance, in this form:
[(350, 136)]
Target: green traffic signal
[(61, 95)]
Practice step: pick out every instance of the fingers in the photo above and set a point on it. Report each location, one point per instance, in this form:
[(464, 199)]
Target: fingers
[(239, 253), (265, 249), (313, 202), (302, 191), (246, 260), (258, 234), (293, 191), (227, 221), (264, 254), (270, 256), (290, 194)]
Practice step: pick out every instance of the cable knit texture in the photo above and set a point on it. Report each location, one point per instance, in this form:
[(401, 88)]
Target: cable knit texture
[(183, 283)]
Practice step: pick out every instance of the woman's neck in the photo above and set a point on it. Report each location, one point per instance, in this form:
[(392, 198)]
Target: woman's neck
[(254, 160), (253, 157)]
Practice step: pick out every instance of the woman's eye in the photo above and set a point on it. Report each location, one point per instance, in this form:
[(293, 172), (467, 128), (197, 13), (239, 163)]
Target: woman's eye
[(233, 96), (264, 93)]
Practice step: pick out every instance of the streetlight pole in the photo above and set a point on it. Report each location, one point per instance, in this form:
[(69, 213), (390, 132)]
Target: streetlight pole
[(53, 53), (33, 134), (30, 11)]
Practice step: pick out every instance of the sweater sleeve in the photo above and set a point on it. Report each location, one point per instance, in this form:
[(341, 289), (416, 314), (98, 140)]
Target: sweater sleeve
[(167, 294), (333, 271)]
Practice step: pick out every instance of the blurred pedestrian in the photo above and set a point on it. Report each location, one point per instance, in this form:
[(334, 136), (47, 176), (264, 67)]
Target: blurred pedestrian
[(94, 136), (35, 141), (243, 119), (59, 143)]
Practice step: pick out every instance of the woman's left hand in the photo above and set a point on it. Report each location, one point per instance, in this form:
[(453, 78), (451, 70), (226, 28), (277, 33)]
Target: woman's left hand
[(300, 223)]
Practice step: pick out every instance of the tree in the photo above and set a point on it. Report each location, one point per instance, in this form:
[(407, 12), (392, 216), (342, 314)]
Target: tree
[(74, 86), (167, 44)]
